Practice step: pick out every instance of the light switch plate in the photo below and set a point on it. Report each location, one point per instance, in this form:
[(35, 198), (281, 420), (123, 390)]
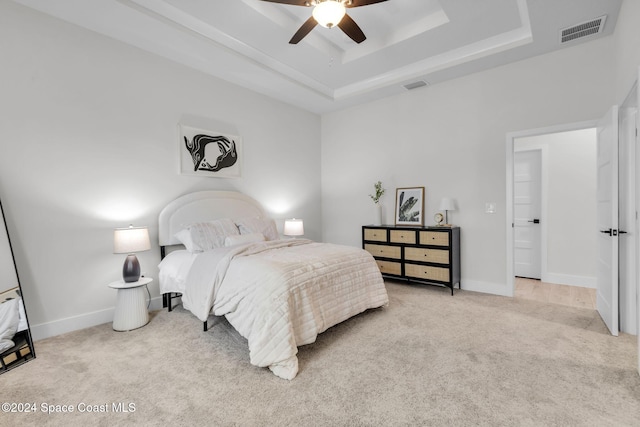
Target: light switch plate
[(490, 207)]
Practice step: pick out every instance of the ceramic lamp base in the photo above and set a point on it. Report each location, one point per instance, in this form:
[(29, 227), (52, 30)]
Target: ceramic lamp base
[(131, 269)]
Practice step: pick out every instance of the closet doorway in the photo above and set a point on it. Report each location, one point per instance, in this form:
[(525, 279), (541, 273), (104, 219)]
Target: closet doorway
[(554, 207)]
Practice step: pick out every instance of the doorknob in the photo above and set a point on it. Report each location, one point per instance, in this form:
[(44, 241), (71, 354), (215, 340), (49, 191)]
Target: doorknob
[(611, 232), (535, 221)]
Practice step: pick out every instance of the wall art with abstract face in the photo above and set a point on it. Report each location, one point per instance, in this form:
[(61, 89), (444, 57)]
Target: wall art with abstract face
[(209, 153)]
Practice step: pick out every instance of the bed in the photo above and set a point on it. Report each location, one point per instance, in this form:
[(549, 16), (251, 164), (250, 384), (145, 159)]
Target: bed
[(277, 293), (13, 328)]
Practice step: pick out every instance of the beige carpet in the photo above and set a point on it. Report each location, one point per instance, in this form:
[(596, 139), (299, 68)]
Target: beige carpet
[(427, 359)]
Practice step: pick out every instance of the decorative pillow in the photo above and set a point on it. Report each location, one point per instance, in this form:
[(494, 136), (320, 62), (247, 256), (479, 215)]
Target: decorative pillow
[(266, 226), (244, 238), (203, 236)]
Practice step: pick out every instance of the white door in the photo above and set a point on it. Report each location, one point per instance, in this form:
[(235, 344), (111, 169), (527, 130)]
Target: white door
[(607, 220), (527, 195)]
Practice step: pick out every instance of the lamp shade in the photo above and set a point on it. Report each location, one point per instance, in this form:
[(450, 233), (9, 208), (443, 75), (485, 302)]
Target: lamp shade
[(131, 239), (293, 227), (329, 13), (447, 204)]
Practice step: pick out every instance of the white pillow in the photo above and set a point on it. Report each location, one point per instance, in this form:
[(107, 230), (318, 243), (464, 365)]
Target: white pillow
[(5, 344), (9, 319), (184, 236), (244, 238), (203, 236), (265, 226)]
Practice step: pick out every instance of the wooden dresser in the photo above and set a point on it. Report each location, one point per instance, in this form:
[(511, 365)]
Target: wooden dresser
[(417, 254)]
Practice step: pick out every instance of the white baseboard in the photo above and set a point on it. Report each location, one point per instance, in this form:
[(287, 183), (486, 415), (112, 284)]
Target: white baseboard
[(82, 321), (486, 287), (567, 279)]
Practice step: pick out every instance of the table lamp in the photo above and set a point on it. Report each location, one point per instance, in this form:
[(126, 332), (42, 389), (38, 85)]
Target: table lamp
[(127, 241), (447, 204), (293, 227)]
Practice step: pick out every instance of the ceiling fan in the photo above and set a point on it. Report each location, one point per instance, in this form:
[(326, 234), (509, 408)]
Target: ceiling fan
[(329, 13)]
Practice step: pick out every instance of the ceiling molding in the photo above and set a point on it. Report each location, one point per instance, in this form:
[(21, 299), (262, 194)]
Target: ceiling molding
[(400, 34), (245, 41), (480, 49), (159, 9)]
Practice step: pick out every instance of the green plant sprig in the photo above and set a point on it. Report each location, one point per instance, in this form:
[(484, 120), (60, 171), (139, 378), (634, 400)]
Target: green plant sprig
[(379, 192)]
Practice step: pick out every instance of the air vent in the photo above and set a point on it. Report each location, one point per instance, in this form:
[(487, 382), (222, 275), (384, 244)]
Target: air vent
[(415, 85), (584, 29)]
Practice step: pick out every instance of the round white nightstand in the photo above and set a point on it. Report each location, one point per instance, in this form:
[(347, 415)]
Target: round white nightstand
[(131, 305)]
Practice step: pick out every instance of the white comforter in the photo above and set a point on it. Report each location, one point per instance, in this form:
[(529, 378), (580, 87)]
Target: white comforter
[(282, 294)]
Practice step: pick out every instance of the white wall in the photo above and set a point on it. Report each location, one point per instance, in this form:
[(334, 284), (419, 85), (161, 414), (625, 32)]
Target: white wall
[(571, 205), (627, 48), (8, 279), (88, 142), (450, 138)]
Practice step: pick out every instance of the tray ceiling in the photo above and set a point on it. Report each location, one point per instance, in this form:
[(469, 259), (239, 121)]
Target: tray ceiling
[(246, 41)]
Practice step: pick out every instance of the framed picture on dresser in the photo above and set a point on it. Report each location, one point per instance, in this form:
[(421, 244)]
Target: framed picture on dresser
[(410, 206)]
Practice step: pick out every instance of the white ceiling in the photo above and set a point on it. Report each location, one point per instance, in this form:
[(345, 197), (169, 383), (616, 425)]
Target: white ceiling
[(246, 41)]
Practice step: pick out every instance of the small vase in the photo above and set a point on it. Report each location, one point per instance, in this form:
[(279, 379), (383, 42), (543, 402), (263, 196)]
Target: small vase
[(378, 215)]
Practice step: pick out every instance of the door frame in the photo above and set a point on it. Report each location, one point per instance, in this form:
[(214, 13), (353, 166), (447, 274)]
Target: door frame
[(510, 138), (629, 249)]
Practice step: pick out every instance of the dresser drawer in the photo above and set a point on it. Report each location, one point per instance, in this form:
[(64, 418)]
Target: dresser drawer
[(375, 234), (436, 238), (388, 267), (403, 236), (439, 256), (383, 251), (427, 272)]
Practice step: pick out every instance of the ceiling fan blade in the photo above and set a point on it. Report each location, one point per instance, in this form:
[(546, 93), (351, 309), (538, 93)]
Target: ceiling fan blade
[(350, 28), (357, 3), (306, 28), (291, 2)]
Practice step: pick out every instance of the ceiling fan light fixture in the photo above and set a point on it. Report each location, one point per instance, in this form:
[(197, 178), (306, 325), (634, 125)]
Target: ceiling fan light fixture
[(329, 13)]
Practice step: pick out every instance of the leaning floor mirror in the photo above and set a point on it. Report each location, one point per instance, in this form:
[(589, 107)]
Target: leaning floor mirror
[(16, 344)]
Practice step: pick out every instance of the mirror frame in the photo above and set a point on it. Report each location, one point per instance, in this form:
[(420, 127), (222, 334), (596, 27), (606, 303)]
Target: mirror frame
[(18, 351)]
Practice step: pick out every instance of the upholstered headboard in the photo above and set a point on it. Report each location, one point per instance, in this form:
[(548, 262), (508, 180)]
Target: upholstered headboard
[(204, 206)]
